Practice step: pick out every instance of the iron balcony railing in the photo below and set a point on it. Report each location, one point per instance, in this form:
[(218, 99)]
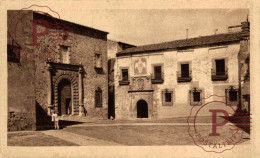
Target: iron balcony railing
[(124, 80), (157, 77), (219, 75), (184, 76)]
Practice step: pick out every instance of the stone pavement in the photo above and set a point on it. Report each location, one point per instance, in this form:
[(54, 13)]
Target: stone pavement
[(78, 139), (204, 119), (99, 132), (139, 124)]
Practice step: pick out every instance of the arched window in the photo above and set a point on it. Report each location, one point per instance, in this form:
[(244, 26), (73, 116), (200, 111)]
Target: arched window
[(98, 97)]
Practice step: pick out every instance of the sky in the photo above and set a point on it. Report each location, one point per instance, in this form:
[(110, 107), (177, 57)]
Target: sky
[(149, 26)]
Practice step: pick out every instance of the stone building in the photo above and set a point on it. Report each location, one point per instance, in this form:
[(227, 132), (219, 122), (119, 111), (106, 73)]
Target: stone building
[(165, 80), (112, 48), (57, 64), (244, 64)]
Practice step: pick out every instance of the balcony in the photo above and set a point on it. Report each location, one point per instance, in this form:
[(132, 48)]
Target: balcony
[(157, 78), (184, 76), (219, 76), (124, 81)]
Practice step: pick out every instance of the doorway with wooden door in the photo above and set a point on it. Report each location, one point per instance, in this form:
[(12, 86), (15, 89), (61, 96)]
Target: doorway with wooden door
[(64, 98)]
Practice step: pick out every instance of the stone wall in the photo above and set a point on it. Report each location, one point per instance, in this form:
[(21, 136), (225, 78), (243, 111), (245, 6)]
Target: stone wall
[(244, 59), (28, 78), (83, 44), (201, 61), (21, 76), (122, 102), (112, 49)]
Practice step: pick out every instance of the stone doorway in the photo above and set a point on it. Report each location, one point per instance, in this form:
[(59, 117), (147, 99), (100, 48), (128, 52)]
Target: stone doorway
[(142, 109), (64, 98)]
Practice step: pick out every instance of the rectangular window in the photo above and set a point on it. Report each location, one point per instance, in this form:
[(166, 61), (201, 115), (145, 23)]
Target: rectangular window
[(98, 61), (168, 97), (220, 67), (233, 95), (196, 96), (64, 56), (185, 71), (158, 72), (124, 74), (98, 98)]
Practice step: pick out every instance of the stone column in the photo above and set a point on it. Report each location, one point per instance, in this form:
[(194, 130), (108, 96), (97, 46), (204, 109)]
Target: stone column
[(49, 95), (81, 105)]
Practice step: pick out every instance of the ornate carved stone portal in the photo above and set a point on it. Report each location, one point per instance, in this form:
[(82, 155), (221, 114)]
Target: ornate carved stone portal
[(73, 74), (141, 91)]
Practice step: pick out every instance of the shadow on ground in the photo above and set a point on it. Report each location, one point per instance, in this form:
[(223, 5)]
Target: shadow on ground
[(65, 123), (62, 124), (43, 121)]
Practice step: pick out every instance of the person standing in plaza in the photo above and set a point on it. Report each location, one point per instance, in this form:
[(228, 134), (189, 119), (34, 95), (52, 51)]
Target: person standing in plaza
[(55, 119)]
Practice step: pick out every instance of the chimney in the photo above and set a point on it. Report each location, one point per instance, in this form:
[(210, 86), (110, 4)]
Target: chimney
[(187, 32), (245, 26)]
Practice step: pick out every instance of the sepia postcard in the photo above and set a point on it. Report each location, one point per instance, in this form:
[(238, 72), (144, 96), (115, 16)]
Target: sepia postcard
[(129, 78)]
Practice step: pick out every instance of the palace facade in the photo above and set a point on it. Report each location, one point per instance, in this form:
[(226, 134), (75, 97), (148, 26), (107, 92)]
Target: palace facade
[(165, 80)]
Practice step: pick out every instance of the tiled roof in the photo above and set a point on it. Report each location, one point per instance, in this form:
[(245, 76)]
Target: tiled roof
[(186, 43)]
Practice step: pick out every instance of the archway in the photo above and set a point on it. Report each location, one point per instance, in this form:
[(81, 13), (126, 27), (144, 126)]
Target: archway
[(64, 97), (142, 109)]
